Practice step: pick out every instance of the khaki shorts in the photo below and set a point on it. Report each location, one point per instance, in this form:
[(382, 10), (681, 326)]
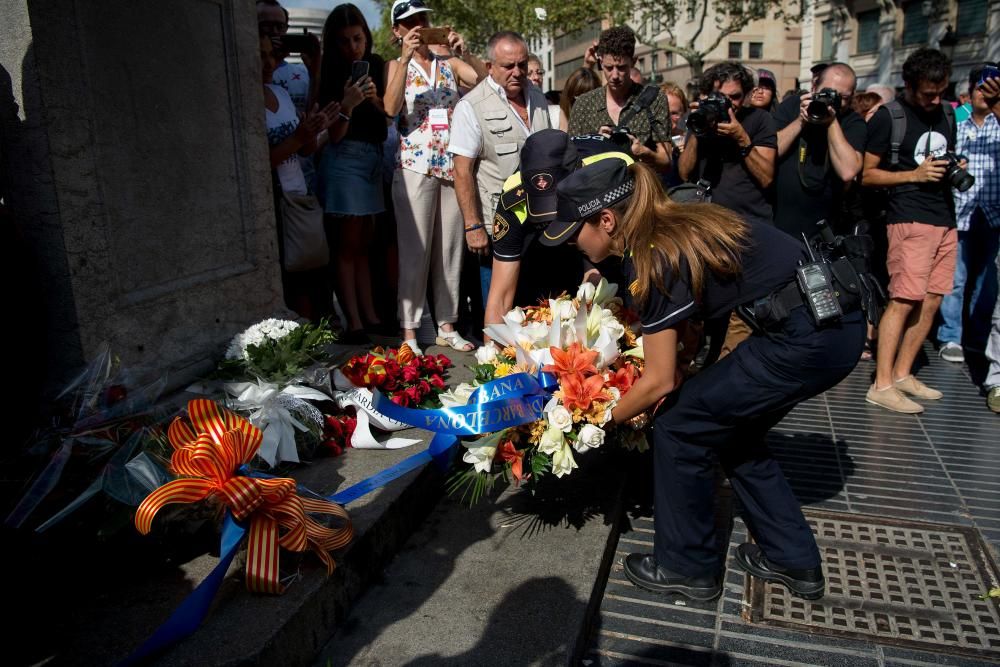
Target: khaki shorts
[(921, 260)]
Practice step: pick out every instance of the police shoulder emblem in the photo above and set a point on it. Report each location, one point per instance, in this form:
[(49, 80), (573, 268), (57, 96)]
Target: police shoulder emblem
[(633, 287), (500, 226)]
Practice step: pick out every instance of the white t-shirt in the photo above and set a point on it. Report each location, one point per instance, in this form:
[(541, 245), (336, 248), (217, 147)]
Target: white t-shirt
[(293, 77), (467, 136), (281, 124)]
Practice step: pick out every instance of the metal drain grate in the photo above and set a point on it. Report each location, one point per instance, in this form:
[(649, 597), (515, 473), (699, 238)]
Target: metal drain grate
[(899, 582)]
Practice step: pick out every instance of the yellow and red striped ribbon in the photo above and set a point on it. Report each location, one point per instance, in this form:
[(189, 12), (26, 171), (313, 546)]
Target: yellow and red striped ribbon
[(207, 453)]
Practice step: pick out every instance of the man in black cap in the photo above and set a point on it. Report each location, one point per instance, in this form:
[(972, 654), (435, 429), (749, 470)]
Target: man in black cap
[(523, 272)]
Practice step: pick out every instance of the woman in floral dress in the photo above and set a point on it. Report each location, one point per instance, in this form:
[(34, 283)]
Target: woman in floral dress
[(422, 88)]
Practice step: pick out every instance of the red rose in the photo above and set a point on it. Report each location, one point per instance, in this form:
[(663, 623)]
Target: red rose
[(414, 394), (350, 423), (425, 387), (443, 361), (401, 399), (392, 368), (437, 382), (410, 373)]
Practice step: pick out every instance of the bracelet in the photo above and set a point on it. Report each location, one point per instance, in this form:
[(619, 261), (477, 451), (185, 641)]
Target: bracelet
[(344, 116), (474, 228)]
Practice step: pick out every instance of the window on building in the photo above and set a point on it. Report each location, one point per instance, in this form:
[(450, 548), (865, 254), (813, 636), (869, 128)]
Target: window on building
[(867, 31), (655, 65), (586, 34), (735, 50), (826, 47), (548, 65), (670, 59), (914, 23), (756, 50), (972, 18), (692, 8), (642, 64), (563, 70)]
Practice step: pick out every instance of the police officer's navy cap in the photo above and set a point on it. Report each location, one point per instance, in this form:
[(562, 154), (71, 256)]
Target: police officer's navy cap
[(546, 158), (585, 192)]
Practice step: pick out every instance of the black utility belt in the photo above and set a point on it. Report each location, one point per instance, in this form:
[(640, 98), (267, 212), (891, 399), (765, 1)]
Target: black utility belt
[(771, 311)]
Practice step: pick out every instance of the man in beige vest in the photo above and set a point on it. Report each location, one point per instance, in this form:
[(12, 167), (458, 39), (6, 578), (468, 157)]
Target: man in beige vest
[(489, 127)]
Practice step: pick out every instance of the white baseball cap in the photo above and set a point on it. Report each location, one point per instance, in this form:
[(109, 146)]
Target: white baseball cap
[(402, 9)]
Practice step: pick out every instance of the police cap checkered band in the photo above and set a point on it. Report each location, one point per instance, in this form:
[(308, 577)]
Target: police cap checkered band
[(586, 191)]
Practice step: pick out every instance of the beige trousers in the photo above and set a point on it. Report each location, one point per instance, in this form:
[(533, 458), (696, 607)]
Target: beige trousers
[(430, 231)]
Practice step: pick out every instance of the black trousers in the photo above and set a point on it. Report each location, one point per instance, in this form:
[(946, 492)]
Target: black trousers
[(728, 408)]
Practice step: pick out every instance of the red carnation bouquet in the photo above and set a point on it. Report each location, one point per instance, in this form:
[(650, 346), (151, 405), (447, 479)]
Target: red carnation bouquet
[(405, 378)]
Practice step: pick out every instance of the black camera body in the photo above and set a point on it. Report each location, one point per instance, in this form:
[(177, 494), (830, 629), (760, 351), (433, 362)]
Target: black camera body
[(711, 111), (620, 137), (956, 176), (818, 109)]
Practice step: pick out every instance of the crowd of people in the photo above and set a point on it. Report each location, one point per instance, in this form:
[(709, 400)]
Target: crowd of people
[(430, 196)]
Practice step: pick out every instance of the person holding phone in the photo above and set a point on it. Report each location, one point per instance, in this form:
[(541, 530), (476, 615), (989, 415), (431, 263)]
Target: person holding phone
[(350, 180), (423, 89)]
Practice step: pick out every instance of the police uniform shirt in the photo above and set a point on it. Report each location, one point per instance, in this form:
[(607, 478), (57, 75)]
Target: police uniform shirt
[(769, 264)]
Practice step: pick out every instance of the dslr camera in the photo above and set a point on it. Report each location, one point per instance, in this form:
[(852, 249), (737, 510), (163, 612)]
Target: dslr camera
[(956, 176), (710, 112), (818, 109), (619, 137)]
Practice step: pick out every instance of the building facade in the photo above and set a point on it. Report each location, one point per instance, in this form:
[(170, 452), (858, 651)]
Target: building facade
[(876, 36)]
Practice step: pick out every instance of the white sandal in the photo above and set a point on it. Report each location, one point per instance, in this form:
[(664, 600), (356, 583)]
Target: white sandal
[(412, 344), (453, 340)]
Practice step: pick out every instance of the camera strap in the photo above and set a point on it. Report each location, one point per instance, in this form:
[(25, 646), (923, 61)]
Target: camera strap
[(642, 103)]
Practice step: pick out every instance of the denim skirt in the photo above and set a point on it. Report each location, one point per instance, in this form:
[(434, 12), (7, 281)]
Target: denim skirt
[(350, 178)]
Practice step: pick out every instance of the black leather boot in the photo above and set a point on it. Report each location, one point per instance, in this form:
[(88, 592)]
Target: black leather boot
[(805, 583), (642, 570)]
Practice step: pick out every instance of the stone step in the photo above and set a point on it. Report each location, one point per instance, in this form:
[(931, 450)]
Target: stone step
[(513, 580), (97, 611)]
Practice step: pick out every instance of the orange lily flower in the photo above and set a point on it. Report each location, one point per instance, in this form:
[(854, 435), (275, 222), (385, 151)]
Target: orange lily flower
[(623, 378), (574, 359), (580, 392), (507, 452)]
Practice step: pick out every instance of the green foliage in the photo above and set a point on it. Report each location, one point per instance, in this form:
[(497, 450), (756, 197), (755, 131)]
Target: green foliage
[(540, 464), (483, 373), (283, 359), (472, 484)]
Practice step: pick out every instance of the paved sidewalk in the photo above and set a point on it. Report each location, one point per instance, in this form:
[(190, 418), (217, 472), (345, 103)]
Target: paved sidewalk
[(907, 514)]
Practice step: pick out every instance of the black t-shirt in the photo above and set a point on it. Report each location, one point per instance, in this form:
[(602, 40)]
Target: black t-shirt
[(929, 203), (806, 182), (769, 263), (545, 272), (720, 163), (368, 124)]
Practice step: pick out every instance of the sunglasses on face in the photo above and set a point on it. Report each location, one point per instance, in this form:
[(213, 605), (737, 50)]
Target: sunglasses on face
[(404, 7)]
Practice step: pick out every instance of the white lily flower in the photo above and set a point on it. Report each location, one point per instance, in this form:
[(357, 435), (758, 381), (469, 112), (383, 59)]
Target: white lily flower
[(586, 292), (605, 292), (457, 397), (480, 456), (589, 437), (563, 462), (552, 441), (560, 418)]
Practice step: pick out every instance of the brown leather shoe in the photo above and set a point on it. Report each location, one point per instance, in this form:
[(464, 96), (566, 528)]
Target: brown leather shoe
[(914, 387), (893, 399)]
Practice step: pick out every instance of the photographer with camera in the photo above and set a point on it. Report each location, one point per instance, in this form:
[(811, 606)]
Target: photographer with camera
[(731, 144), (820, 142), (978, 219), (635, 117), (910, 153)]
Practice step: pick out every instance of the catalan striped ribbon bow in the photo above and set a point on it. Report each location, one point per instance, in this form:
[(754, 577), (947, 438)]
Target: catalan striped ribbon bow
[(208, 455)]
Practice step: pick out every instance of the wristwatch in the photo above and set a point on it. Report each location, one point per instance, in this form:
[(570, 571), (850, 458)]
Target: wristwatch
[(745, 152)]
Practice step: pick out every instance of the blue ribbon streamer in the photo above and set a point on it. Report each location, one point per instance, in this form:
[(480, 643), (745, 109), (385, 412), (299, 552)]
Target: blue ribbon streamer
[(509, 401)]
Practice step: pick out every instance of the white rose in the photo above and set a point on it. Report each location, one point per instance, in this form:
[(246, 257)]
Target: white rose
[(552, 441), (586, 292), (615, 394), (589, 437), (536, 331), (560, 418), (480, 456), (563, 462), (486, 354), (567, 311)]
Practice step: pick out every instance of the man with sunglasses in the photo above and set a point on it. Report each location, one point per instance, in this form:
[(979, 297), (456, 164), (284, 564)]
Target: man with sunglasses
[(737, 159), (817, 154)]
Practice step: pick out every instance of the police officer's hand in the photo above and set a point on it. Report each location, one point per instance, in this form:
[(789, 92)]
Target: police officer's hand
[(477, 240), (605, 131), (733, 130), (930, 171)]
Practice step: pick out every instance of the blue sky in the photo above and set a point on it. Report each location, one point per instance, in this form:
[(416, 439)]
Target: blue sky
[(367, 7)]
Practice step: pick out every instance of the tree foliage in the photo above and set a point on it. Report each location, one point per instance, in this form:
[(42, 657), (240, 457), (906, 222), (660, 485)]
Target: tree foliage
[(663, 23)]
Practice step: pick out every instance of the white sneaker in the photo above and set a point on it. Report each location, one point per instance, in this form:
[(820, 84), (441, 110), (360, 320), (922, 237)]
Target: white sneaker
[(952, 352)]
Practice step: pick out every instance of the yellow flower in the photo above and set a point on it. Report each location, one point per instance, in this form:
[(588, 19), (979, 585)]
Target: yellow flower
[(503, 370)]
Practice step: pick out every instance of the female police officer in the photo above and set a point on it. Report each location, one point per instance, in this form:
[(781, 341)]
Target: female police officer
[(700, 261)]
